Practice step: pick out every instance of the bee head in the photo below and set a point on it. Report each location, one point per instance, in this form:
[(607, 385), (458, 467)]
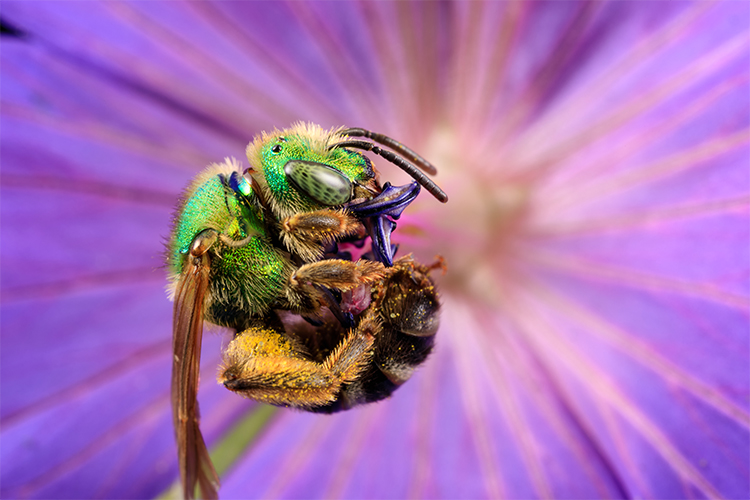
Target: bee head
[(298, 171)]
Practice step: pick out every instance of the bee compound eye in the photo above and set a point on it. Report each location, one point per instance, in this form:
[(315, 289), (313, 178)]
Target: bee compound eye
[(322, 183)]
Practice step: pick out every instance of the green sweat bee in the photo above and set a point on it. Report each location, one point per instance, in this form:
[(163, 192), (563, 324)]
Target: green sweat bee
[(257, 251)]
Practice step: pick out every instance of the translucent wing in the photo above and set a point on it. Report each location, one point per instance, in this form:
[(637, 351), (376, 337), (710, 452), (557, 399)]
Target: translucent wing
[(187, 333)]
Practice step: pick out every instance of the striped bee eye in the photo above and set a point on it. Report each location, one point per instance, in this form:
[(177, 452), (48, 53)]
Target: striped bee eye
[(322, 183)]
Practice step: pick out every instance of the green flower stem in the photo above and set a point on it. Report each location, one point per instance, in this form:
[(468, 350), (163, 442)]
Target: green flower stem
[(235, 442)]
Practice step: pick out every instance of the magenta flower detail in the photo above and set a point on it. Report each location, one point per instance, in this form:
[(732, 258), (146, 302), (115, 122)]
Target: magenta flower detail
[(594, 338)]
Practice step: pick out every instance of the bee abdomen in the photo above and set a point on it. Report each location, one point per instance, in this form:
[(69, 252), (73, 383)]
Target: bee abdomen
[(396, 357)]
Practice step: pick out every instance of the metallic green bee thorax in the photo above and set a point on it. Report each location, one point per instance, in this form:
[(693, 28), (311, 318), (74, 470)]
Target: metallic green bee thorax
[(204, 207), (211, 203), (246, 280), (248, 270)]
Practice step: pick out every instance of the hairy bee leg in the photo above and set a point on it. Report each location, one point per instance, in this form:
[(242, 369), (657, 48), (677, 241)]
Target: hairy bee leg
[(346, 319), (307, 233), (407, 306), (322, 225), (303, 290), (339, 274), (263, 365)]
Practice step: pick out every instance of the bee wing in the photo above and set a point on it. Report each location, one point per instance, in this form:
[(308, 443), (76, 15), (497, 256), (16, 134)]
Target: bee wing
[(187, 334)]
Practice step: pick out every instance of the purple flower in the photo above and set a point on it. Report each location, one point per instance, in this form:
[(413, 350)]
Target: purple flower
[(594, 339)]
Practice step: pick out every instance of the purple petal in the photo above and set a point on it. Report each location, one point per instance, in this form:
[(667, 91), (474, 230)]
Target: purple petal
[(594, 331)]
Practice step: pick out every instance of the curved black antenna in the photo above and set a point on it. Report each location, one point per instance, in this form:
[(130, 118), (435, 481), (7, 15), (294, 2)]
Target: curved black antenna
[(393, 144), (399, 161)]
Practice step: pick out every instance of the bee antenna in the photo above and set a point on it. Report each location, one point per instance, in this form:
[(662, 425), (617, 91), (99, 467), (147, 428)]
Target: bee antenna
[(393, 144), (399, 161)]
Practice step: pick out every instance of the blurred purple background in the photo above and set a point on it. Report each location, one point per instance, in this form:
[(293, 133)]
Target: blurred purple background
[(594, 339)]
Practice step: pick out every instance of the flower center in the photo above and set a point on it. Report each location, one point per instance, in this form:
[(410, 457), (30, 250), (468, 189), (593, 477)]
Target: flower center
[(478, 231)]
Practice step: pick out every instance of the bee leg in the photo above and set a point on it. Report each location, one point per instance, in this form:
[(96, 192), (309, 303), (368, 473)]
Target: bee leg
[(306, 234), (303, 288), (396, 357), (407, 305), (345, 318), (265, 365)]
